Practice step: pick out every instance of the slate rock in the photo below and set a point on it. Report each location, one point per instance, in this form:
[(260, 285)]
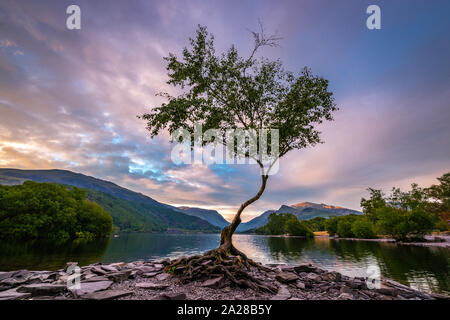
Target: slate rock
[(162, 276), (286, 277), (98, 271), (172, 296), (151, 286), (42, 289), (108, 268), (305, 268), (300, 285), (5, 275), (12, 294), (282, 294), (388, 291), (150, 274), (96, 279), (107, 295), (314, 277), (119, 276), (212, 283), (90, 287)]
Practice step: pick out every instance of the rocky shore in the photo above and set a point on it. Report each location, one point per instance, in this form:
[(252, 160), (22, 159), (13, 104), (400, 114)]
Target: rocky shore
[(146, 280)]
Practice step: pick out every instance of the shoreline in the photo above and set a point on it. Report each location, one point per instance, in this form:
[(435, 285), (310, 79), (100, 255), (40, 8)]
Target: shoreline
[(147, 280), (429, 243)]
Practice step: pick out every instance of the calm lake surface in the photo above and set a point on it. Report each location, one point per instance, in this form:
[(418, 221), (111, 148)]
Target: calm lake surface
[(424, 268)]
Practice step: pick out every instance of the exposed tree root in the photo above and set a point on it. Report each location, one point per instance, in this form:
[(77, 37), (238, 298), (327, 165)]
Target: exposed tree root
[(231, 264)]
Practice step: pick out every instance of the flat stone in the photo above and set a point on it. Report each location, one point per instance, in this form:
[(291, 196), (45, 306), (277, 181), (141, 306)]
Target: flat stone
[(439, 296), (108, 268), (172, 296), (91, 287), (119, 276), (96, 279), (282, 294), (150, 274), (107, 295), (346, 290), (98, 271), (151, 286), (212, 283), (42, 289), (354, 284), (44, 277), (331, 276), (5, 275), (388, 291), (286, 268), (17, 278), (162, 276), (146, 269), (305, 268), (4, 286), (300, 285), (286, 277), (314, 277), (345, 296), (12, 294)]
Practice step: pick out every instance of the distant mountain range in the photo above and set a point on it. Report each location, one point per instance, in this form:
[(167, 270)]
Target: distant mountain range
[(212, 216), (132, 211), (302, 210)]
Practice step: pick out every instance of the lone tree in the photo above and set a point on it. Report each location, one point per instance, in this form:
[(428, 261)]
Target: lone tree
[(228, 91)]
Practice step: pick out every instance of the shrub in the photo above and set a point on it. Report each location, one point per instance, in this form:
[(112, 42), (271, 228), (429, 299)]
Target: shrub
[(294, 227), (364, 229), (344, 229), (46, 211), (401, 224), (331, 226)]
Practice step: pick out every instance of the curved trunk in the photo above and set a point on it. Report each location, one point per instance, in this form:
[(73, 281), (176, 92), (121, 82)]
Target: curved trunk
[(227, 232)]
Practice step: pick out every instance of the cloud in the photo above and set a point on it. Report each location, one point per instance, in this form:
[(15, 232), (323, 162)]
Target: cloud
[(69, 99)]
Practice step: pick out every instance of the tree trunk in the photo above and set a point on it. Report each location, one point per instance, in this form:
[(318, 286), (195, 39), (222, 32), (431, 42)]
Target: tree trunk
[(227, 232)]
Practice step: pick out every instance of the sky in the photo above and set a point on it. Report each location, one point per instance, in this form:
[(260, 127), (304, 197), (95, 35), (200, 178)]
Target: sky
[(69, 98)]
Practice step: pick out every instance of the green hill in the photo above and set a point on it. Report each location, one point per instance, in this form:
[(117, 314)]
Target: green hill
[(130, 211)]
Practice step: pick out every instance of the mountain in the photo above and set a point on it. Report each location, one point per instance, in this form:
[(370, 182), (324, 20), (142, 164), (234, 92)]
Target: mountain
[(131, 211), (212, 216), (302, 210), (255, 222)]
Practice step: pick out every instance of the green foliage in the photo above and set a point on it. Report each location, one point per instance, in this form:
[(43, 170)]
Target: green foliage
[(351, 226), (344, 226), (136, 216), (439, 203), (331, 226), (317, 224), (363, 228), (411, 214), (128, 216), (50, 212), (294, 227), (402, 224), (229, 91), (375, 201), (285, 223), (344, 229)]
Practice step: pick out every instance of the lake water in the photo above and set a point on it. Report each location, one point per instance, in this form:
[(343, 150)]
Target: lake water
[(424, 268)]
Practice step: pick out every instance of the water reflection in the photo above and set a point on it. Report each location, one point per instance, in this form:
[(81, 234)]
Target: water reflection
[(425, 268), (45, 256)]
